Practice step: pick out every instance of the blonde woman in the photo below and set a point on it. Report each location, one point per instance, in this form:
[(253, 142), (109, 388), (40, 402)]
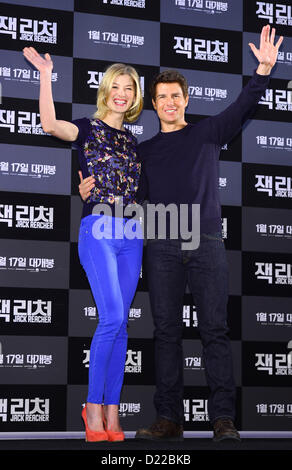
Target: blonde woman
[(107, 152)]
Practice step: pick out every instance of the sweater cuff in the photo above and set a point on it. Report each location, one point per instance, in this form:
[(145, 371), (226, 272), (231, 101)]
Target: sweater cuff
[(261, 79)]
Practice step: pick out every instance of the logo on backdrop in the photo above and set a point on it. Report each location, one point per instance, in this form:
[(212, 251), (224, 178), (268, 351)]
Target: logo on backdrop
[(231, 222), (23, 75), (201, 49), (277, 14), (274, 409), (274, 186), (224, 228), (285, 57), (190, 317), (267, 275), (34, 217), (216, 50), (129, 409), (273, 363), (274, 273), (34, 170), (25, 311), (207, 6), (267, 365), (274, 318), (21, 122), (275, 104), (273, 230), (193, 363), (27, 361), (90, 312), (24, 409), (274, 142), (29, 264), (125, 3), (269, 188), (133, 364), (277, 99), (138, 9), (207, 93), (135, 313), (116, 39), (25, 29), (222, 182), (195, 410)]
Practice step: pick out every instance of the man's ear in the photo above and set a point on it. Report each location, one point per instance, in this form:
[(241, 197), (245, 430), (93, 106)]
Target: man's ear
[(154, 104), (187, 100)]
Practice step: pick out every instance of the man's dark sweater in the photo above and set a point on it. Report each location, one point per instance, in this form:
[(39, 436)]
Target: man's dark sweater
[(182, 167)]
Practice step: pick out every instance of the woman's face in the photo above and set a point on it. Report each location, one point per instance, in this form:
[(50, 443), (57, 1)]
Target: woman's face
[(122, 94)]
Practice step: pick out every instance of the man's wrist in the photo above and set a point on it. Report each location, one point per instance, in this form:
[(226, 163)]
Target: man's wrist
[(264, 69)]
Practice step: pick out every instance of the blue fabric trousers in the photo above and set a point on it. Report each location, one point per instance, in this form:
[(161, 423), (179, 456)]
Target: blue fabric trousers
[(112, 265), (205, 270)]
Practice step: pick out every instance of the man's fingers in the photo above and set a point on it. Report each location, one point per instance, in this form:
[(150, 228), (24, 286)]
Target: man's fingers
[(253, 48), (88, 179), (267, 33), (264, 35), (86, 186), (279, 42), (272, 37)]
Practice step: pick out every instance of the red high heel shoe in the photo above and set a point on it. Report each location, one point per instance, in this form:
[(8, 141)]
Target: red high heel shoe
[(113, 436), (93, 436)]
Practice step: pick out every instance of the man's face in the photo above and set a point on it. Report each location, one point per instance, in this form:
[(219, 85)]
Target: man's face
[(170, 103)]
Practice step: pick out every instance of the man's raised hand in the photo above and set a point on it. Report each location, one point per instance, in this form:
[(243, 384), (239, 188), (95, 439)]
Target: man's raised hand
[(268, 51)]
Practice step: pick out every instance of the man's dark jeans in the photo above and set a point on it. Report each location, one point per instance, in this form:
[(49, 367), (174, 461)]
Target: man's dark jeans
[(205, 270)]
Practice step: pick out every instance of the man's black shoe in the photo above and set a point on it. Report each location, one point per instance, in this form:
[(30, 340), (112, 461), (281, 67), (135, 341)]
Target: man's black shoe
[(161, 430), (224, 429)]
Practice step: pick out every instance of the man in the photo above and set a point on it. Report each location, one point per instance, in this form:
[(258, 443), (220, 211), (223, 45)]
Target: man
[(180, 166)]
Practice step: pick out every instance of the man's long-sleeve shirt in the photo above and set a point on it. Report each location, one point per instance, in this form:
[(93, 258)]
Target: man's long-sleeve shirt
[(182, 167)]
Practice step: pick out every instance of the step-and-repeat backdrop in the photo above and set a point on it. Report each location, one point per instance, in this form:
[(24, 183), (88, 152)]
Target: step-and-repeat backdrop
[(47, 314)]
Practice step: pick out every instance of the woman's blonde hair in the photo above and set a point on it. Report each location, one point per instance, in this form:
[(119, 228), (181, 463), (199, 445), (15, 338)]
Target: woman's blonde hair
[(112, 72)]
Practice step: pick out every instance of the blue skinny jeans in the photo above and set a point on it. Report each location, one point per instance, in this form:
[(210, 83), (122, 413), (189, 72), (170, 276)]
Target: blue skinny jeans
[(112, 265)]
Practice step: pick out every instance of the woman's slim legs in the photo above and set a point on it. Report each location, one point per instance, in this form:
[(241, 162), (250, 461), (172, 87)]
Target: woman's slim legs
[(112, 267)]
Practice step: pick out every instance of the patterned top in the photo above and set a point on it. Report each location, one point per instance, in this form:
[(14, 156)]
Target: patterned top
[(110, 155)]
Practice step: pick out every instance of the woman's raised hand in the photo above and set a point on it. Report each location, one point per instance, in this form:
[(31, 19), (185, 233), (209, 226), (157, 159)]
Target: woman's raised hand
[(42, 64)]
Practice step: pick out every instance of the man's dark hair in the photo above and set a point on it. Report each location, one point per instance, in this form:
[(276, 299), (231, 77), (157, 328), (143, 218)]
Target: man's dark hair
[(169, 76)]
